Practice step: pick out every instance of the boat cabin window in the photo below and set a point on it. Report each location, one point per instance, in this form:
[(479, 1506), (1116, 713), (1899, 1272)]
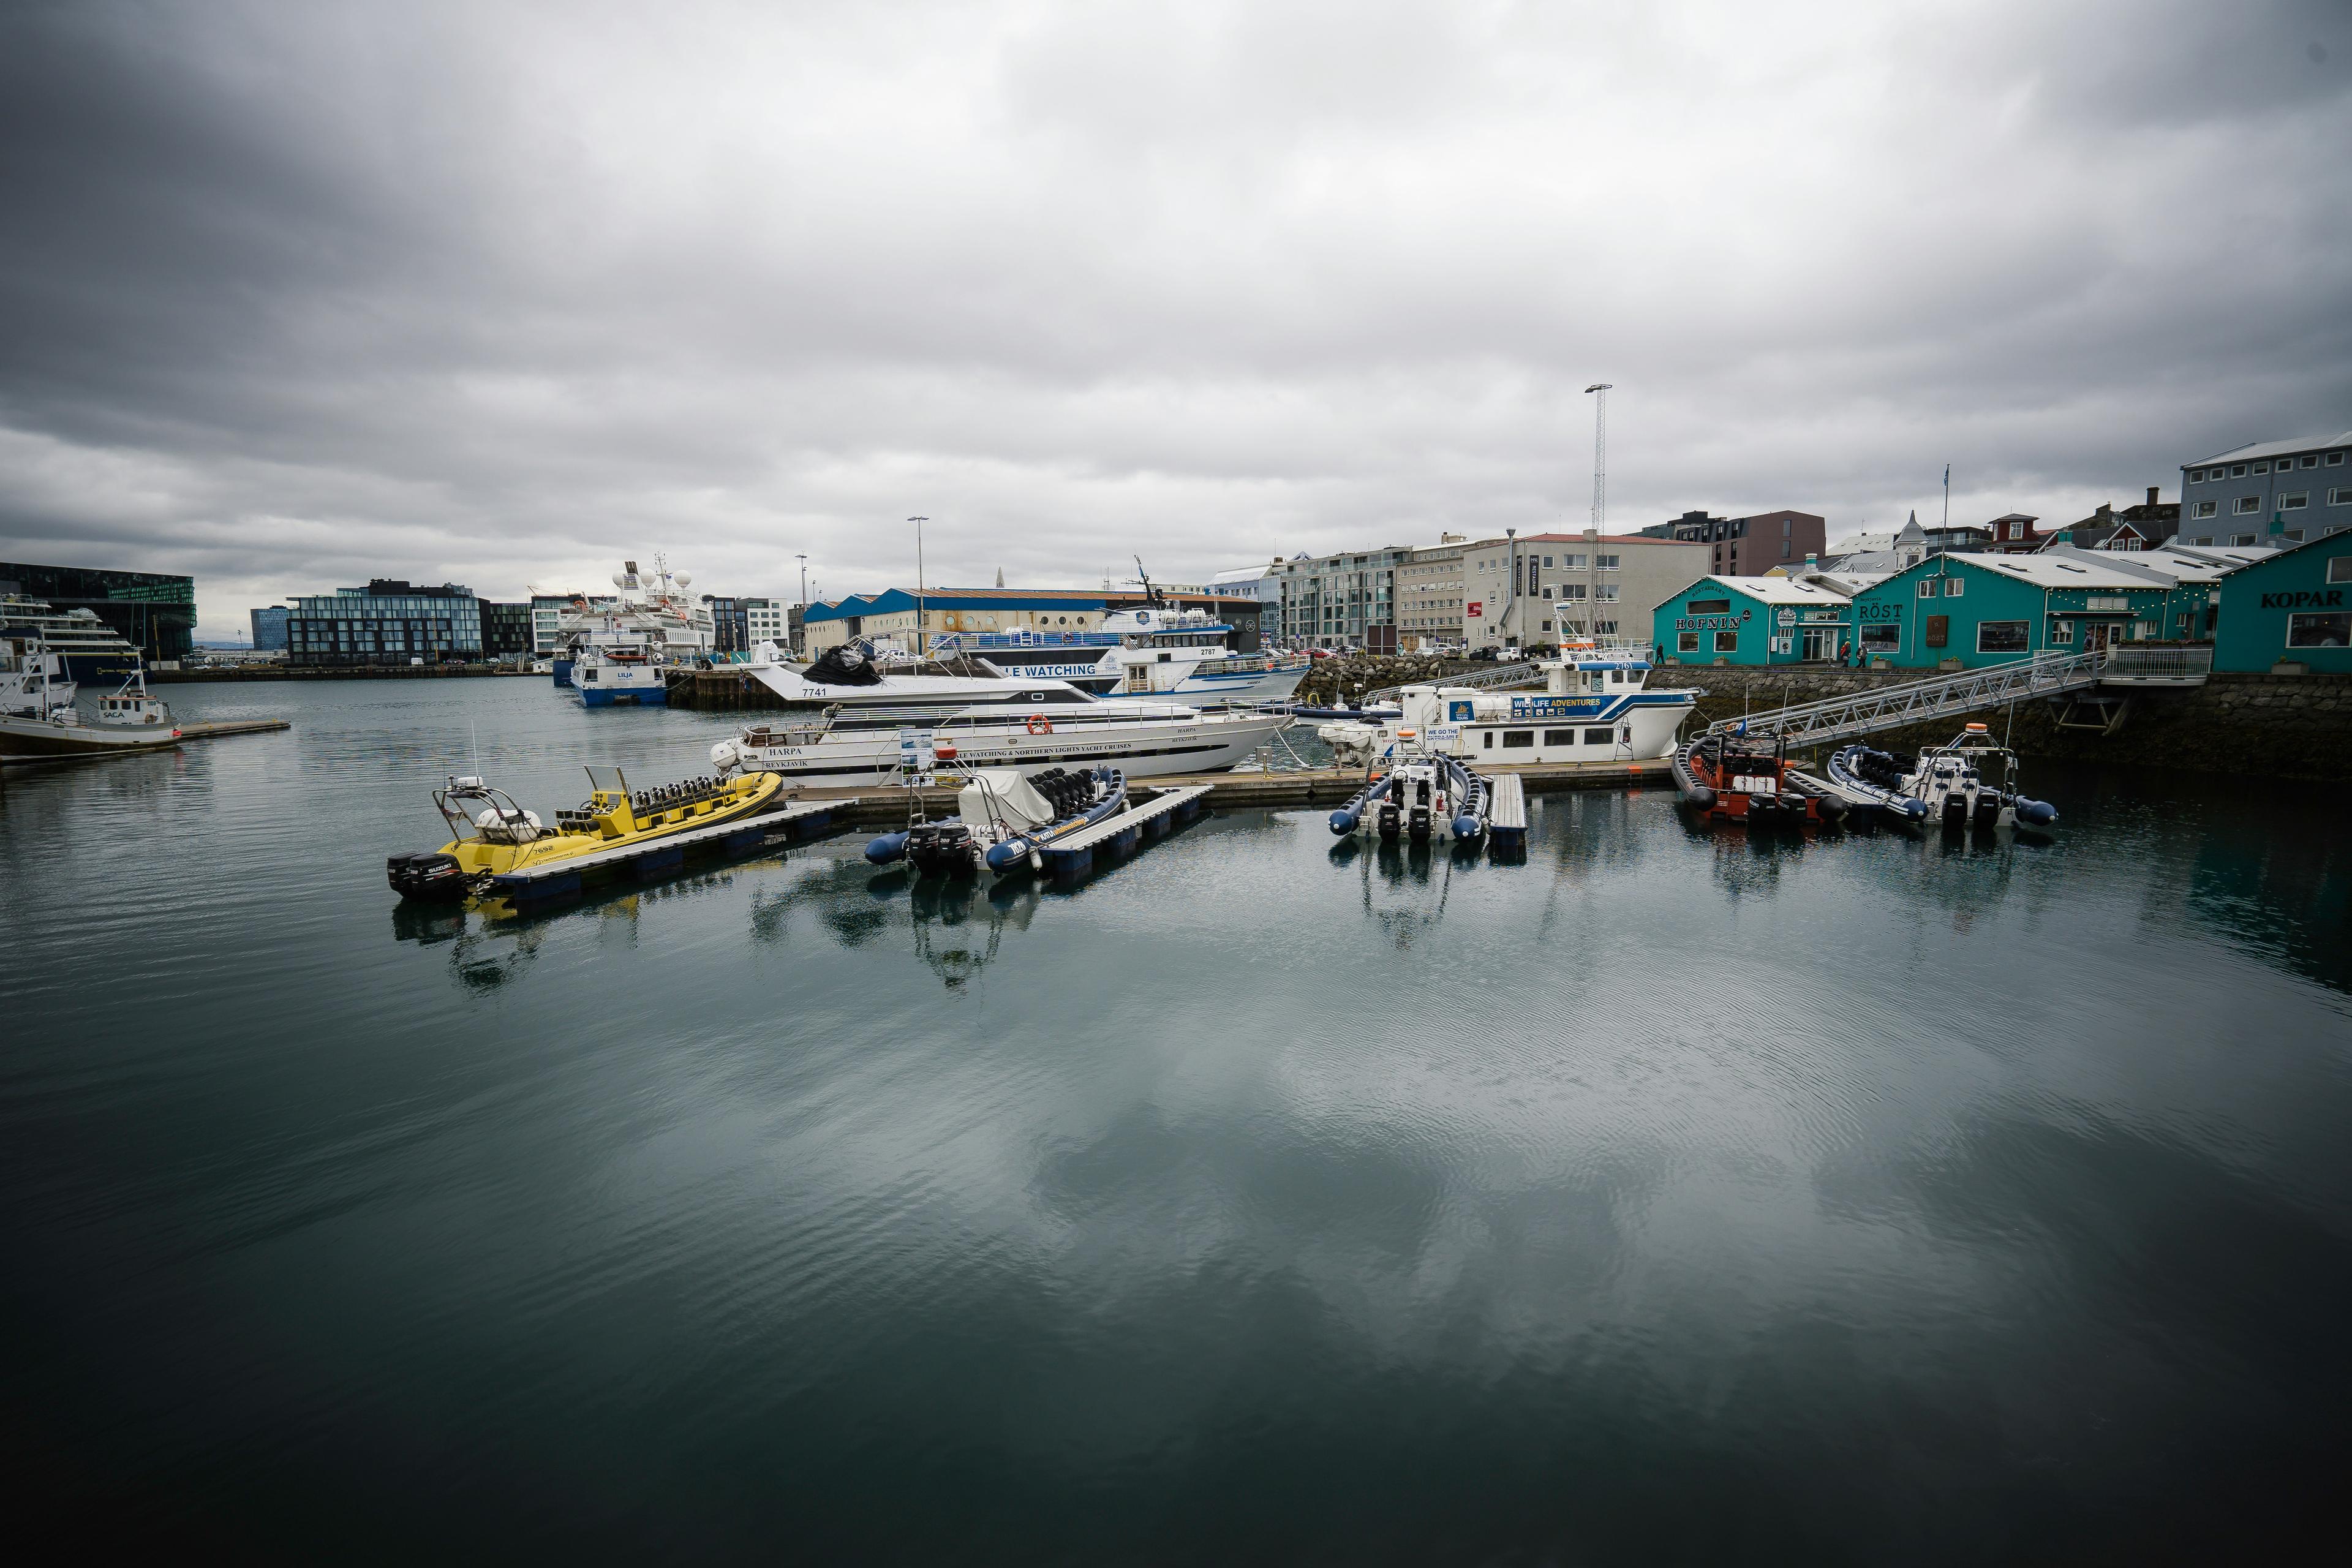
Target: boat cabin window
[(1596, 737), (1490, 739), (1559, 737), (1518, 738)]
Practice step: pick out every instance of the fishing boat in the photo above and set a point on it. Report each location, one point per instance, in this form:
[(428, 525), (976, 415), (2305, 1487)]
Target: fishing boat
[(619, 672), (1004, 822), (38, 720), (494, 836), (1746, 778), (1956, 787), (1596, 706), (859, 746)]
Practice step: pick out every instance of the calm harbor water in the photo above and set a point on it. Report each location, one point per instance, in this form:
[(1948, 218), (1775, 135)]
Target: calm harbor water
[(1669, 1196)]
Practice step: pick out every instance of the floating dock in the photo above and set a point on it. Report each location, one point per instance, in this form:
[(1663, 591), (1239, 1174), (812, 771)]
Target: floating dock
[(1120, 835), (1278, 791), (1506, 822), (795, 824)]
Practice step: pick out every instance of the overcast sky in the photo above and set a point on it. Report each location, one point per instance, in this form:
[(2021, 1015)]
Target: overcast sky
[(292, 295)]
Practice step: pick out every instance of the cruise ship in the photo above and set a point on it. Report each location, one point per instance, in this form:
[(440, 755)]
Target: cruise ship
[(94, 653), (652, 613)]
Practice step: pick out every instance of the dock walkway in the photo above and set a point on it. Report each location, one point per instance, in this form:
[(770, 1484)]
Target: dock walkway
[(1075, 855), (794, 823), (204, 730)]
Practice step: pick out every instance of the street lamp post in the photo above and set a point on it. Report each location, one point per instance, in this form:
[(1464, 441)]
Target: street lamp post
[(1511, 591), (787, 630)]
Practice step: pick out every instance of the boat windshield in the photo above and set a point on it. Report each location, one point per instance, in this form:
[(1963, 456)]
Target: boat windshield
[(607, 788)]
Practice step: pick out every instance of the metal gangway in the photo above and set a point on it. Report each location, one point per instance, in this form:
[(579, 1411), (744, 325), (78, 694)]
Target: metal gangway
[(2052, 674)]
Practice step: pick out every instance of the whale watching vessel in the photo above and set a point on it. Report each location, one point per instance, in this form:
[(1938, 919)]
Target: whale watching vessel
[(493, 836), (1064, 729)]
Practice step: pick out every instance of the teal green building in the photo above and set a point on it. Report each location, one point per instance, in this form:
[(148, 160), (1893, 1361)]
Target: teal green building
[(1752, 620), (1975, 610), (2294, 606)]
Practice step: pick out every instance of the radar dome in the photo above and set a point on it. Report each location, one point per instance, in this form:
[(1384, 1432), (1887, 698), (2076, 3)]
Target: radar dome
[(620, 580), (684, 578)]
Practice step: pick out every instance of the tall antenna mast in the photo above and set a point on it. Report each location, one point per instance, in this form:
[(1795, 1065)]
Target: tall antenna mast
[(1600, 391)]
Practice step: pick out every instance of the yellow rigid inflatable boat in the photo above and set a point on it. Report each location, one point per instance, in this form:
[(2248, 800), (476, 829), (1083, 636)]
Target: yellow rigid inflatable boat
[(496, 836)]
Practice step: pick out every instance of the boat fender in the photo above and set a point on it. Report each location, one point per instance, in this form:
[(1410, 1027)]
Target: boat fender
[(1005, 855), (2036, 813), (887, 848), (1466, 826), (1343, 821), (1702, 797)]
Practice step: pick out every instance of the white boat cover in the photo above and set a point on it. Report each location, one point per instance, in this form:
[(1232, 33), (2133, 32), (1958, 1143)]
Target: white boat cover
[(1004, 795)]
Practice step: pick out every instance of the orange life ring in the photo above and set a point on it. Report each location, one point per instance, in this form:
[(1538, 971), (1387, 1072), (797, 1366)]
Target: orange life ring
[(1040, 725)]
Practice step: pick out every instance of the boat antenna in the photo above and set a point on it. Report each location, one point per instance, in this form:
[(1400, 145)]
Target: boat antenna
[(474, 744)]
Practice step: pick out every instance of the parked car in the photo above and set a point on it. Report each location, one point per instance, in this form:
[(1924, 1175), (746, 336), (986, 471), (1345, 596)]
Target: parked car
[(1482, 656)]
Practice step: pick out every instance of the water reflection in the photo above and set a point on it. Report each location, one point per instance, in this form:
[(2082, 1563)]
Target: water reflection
[(483, 953)]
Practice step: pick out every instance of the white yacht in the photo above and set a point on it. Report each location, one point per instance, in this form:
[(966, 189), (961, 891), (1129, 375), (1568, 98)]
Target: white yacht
[(87, 649), (857, 746), (1596, 706), (850, 676), (1153, 651)]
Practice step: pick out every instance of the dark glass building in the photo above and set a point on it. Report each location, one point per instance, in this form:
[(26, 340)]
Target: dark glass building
[(153, 611), (506, 630), (270, 628), (387, 621)]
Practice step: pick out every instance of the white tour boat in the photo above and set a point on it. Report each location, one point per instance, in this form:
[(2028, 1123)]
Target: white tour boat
[(1596, 706), (866, 746)]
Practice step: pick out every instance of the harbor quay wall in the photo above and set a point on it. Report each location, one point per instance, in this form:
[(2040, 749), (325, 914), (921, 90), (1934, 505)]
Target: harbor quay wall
[(325, 672), (2293, 726)]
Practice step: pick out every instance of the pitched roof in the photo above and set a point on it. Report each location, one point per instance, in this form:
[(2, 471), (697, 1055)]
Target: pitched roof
[(2057, 568), (2273, 449), (1775, 590)]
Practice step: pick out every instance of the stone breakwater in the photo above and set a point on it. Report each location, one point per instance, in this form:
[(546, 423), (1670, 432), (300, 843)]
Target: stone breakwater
[(2292, 726), (1348, 678)]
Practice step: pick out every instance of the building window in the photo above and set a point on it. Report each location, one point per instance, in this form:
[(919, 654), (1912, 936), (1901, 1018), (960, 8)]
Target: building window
[(1708, 607), (2238, 471), (2206, 509), (2340, 569), (1607, 562), (1606, 594), (2062, 632), (2312, 461), (2241, 539), (2339, 498), (2329, 629), (2262, 468), (1686, 642), (1881, 636), (2000, 637), (1955, 586), (2334, 459), (2295, 502), (1727, 642), (2196, 476), (2249, 503), (1927, 587)]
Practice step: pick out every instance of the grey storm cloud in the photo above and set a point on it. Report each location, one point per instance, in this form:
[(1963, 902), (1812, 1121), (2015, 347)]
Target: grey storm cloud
[(292, 295)]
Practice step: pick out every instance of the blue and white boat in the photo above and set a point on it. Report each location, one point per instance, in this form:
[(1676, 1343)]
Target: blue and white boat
[(1596, 706), (620, 672)]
